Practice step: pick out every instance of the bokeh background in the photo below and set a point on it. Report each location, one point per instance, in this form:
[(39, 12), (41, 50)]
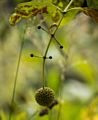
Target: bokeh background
[(72, 73)]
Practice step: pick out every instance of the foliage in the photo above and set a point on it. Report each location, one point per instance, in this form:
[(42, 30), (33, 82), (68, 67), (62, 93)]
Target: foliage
[(70, 73)]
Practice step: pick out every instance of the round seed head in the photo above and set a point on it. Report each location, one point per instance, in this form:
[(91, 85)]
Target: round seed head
[(44, 96)]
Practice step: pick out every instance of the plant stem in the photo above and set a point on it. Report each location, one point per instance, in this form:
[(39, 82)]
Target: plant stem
[(43, 74), (16, 75), (46, 51), (44, 59), (67, 7)]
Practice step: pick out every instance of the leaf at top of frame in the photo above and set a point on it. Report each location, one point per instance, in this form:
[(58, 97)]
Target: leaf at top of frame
[(27, 9), (93, 13), (33, 8)]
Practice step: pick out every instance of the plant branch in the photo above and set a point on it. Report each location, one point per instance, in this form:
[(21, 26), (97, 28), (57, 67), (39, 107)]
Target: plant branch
[(67, 7)]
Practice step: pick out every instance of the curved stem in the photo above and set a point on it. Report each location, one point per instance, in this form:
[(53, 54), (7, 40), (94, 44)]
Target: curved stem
[(16, 75), (14, 88)]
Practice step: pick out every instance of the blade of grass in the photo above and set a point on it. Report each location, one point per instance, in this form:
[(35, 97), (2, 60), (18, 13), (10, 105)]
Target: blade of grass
[(16, 74)]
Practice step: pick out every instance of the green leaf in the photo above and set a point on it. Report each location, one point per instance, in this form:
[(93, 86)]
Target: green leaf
[(33, 8), (14, 18), (27, 9)]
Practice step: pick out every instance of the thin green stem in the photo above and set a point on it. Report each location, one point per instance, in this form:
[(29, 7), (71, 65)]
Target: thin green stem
[(59, 24), (16, 76), (14, 88), (57, 41), (46, 51), (67, 7), (44, 59), (48, 47), (65, 10), (43, 73)]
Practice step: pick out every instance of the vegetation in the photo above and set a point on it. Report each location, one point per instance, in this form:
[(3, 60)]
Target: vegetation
[(48, 60)]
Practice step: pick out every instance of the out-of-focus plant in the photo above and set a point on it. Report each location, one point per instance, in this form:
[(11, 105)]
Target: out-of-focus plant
[(50, 16)]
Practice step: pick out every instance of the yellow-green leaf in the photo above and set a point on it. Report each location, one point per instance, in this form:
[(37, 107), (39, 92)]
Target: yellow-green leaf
[(33, 8), (14, 18)]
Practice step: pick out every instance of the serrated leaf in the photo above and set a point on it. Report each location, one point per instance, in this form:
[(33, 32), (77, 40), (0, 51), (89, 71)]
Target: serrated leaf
[(93, 13), (33, 8)]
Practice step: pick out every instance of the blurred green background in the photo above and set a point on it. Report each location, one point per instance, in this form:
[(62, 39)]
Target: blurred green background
[(72, 73)]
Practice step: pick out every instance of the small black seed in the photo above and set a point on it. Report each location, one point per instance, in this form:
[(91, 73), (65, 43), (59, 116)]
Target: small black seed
[(31, 55), (50, 57), (61, 46), (39, 27)]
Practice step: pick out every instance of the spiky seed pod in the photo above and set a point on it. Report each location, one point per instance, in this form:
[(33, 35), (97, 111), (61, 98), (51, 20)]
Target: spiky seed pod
[(44, 96)]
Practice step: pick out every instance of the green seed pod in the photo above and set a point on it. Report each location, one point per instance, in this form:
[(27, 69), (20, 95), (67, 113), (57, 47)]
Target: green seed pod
[(44, 96)]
